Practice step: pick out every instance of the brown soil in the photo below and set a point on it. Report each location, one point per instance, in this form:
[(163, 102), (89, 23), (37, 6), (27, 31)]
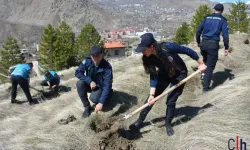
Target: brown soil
[(99, 124), (114, 141), (112, 135)]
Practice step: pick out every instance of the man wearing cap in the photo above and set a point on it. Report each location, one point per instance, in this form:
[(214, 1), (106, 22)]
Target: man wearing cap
[(165, 67), (19, 74), (211, 28), (96, 77)]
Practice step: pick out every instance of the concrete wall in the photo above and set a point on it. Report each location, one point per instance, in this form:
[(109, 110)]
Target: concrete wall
[(36, 67), (116, 52)]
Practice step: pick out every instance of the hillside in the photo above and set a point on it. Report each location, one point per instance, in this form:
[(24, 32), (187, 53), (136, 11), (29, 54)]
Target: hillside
[(202, 122), (160, 3), (37, 14), (177, 4)]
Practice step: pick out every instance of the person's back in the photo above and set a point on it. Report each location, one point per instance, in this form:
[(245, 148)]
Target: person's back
[(211, 28), (172, 50), (53, 75), (20, 75), (22, 70), (214, 24)]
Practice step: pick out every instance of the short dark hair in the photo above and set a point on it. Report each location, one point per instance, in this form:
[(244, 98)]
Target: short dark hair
[(219, 7), (47, 74), (30, 64)]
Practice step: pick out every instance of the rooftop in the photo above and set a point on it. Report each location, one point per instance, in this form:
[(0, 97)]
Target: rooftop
[(114, 44)]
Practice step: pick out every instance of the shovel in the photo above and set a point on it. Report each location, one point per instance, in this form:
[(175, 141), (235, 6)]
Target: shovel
[(161, 95)]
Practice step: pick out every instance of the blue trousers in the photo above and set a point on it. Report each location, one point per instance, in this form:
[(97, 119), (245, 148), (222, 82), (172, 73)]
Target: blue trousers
[(83, 89)]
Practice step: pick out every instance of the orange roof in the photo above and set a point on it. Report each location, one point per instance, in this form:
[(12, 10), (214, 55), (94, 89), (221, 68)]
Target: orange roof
[(114, 45)]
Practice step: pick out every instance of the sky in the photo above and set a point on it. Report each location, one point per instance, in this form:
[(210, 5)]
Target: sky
[(229, 0)]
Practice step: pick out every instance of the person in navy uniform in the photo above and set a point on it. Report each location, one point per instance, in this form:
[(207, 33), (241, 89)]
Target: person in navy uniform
[(95, 76), (166, 67), (52, 79), (211, 28), (19, 74)]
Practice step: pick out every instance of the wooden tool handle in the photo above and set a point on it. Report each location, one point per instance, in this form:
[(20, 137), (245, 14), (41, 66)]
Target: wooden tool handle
[(161, 95)]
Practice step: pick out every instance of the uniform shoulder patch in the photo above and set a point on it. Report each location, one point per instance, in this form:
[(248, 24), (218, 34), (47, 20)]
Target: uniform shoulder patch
[(84, 62)]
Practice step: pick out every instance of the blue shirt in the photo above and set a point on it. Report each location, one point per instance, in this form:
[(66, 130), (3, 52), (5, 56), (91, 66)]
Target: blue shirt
[(22, 70), (171, 51), (102, 75), (54, 78), (211, 27), (53, 75)]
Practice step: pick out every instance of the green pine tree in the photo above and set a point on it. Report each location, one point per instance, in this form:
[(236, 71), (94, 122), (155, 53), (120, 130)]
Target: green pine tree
[(47, 49), (87, 38), (63, 47), (183, 34), (10, 55), (237, 19), (200, 14)]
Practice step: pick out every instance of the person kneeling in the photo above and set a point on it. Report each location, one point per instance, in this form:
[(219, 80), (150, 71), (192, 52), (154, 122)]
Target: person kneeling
[(95, 77), (51, 79)]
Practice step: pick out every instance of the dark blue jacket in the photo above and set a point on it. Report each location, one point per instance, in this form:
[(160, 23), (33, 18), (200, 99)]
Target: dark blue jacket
[(211, 27), (171, 50), (102, 75)]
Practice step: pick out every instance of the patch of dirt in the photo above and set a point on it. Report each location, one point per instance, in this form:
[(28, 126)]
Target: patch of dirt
[(111, 134), (99, 124), (114, 141)]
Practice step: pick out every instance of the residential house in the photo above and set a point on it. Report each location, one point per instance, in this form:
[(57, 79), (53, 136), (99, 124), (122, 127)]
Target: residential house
[(114, 49)]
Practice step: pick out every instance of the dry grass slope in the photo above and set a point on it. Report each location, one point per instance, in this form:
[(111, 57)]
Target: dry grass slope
[(202, 122)]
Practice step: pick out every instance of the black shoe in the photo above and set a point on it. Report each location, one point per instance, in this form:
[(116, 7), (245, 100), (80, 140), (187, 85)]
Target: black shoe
[(86, 113), (33, 102), (136, 125), (13, 101), (169, 130)]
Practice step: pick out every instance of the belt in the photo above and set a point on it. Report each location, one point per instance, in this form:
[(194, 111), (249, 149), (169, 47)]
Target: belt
[(211, 41)]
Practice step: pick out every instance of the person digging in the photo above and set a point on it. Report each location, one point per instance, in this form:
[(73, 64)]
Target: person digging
[(166, 67)]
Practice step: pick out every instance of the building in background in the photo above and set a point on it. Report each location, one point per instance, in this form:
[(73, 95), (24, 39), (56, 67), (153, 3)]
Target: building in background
[(114, 49)]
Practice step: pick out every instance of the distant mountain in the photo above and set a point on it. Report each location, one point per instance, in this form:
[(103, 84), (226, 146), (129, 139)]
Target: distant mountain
[(25, 34), (39, 13), (178, 4), (160, 3)]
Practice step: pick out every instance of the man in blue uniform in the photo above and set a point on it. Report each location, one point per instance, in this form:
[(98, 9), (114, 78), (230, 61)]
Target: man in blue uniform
[(20, 75), (51, 79), (211, 28), (96, 77)]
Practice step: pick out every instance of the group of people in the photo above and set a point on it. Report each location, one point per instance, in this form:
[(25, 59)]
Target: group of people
[(160, 60), (20, 74)]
